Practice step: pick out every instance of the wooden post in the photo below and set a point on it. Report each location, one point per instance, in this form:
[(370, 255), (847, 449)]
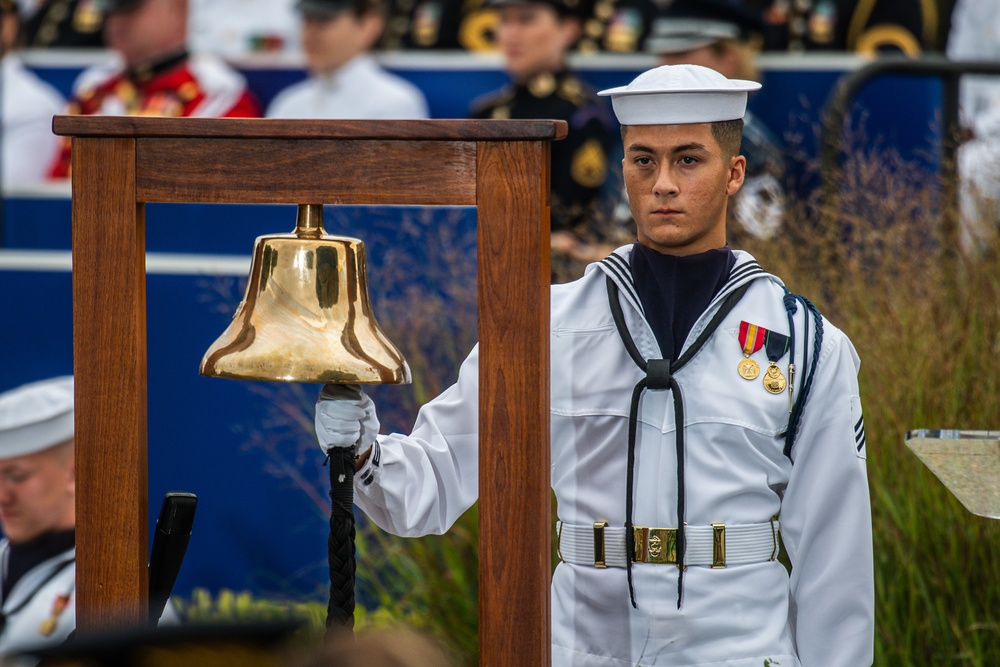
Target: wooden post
[(502, 167)]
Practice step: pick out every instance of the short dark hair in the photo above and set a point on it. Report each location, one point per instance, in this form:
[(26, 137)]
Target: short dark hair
[(729, 134)]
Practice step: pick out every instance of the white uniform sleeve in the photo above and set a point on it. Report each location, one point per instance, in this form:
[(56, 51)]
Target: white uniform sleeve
[(826, 519), (421, 483)]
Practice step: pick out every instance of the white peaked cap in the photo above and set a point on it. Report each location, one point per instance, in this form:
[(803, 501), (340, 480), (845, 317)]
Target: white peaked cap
[(678, 94), (36, 416)]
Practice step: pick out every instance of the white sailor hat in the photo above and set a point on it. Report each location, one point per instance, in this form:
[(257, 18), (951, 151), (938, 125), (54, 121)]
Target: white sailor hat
[(678, 94), (685, 25), (36, 416)]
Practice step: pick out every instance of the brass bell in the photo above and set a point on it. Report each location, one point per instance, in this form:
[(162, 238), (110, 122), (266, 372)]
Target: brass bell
[(306, 314)]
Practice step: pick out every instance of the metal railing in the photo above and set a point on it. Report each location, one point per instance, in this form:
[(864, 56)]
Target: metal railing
[(949, 72)]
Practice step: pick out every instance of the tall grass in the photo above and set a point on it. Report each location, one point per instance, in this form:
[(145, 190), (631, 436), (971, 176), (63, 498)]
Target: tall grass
[(879, 260)]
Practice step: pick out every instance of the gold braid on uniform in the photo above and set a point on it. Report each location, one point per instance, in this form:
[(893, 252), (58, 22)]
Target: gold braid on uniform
[(48, 29), (869, 41), (872, 40)]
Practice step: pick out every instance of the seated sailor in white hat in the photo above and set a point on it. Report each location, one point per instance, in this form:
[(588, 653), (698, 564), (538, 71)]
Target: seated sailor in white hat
[(37, 515), (698, 409), (345, 80), (726, 35)]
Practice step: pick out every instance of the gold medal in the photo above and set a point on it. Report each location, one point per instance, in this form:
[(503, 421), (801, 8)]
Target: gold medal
[(748, 368), (59, 605), (774, 381), (542, 85), (48, 626), (751, 339)]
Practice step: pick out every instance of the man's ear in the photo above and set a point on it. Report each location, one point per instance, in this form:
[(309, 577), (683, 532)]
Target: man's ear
[(372, 26), (572, 29), (737, 172)]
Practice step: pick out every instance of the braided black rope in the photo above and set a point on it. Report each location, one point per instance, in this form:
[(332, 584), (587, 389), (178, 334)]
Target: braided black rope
[(791, 307), (340, 545)]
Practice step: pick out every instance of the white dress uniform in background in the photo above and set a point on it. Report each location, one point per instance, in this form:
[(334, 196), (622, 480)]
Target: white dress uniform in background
[(236, 29), (359, 89), (27, 104), (975, 35), (741, 482), (40, 609)]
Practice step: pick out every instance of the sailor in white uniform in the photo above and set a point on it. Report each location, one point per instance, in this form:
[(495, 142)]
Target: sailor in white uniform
[(345, 81), (241, 29), (691, 389), (37, 515), (975, 35), (27, 104)]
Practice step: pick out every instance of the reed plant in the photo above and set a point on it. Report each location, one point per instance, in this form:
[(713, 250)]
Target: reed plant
[(880, 255)]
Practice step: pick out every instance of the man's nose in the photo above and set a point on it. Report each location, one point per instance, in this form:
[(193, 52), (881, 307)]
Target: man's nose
[(665, 184)]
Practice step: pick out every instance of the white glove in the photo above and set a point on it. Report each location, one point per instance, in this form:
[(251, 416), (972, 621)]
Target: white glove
[(345, 417)]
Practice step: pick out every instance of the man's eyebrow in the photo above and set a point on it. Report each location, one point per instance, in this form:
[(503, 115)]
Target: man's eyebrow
[(693, 146), (639, 148)]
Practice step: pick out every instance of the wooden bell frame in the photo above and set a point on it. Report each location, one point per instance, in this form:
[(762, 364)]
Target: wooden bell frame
[(501, 167)]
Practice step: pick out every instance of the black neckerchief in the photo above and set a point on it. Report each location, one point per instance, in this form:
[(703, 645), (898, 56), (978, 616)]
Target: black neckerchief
[(660, 376), (675, 291), (22, 558)]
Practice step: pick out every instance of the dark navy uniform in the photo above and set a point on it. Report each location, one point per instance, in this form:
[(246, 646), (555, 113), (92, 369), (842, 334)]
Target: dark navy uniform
[(862, 26), (64, 23), (580, 161), (617, 26), (440, 24)]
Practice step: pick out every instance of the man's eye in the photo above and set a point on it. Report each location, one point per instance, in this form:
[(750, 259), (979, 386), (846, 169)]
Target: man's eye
[(643, 161), (687, 159)]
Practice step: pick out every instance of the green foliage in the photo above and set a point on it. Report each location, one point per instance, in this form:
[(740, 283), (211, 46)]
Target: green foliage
[(430, 584), (234, 607)]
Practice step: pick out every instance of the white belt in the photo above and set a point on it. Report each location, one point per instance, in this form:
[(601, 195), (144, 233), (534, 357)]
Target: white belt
[(716, 545)]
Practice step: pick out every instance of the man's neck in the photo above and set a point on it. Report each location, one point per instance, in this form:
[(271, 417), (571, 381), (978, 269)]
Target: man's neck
[(25, 556), (153, 65)]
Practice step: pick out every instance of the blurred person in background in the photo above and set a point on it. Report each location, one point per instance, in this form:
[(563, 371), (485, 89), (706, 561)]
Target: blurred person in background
[(65, 24), (867, 27), (344, 80), (27, 104), (380, 648), (37, 515), (617, 26), (535, 37), (975, 35), (726, 36), (468, 25), (155, 74), (236, 29), (613, 26)]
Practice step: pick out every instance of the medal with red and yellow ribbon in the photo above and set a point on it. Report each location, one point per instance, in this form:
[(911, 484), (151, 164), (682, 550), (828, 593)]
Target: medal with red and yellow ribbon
[(751, 339), (48, 626)]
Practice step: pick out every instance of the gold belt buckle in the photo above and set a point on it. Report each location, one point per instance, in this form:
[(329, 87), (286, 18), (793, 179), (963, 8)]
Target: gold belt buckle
[(718, 545), (599, 527), (655, 545)]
